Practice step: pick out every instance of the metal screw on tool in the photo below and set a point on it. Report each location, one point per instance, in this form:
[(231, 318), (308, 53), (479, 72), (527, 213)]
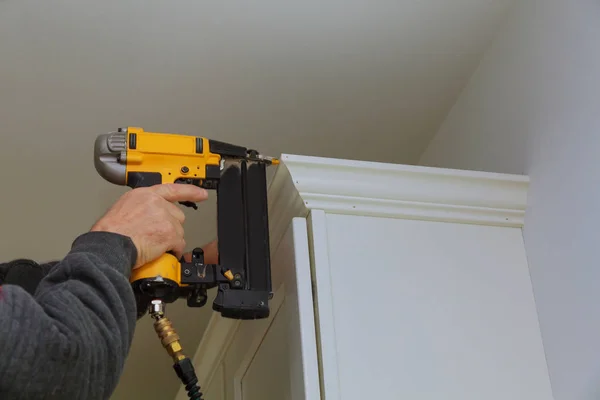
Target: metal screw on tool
[(185, 170), (187, 272), (237, 283)]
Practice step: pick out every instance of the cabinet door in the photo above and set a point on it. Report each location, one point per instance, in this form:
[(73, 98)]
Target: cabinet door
[(424, 310), (276, 358)]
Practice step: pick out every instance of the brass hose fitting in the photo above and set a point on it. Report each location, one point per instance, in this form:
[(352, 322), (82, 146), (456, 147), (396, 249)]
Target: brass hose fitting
[(165, 331), (169, 338), (170, 341)]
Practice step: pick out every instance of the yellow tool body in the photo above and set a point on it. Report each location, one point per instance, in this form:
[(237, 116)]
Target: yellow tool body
[(174, 156), (168, 154), (136, 158), (166, 266)]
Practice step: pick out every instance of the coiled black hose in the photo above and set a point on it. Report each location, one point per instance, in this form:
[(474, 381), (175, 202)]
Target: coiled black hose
[(186, 373)]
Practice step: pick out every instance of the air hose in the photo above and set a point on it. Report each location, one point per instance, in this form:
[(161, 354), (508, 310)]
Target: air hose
[(185, 372), (170, 340)]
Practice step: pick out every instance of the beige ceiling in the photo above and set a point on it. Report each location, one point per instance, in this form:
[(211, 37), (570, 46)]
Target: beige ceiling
[(354, 79)]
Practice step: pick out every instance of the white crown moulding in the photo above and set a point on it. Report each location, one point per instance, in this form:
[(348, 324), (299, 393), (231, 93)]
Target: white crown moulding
[(396, 191), (304, 183)]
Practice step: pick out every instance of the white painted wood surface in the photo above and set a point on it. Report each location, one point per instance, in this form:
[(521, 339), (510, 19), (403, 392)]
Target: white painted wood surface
[(392, 282), (216, 387), (431, 310), (404, 191), (280, 356), (324, 312), (274, 358)]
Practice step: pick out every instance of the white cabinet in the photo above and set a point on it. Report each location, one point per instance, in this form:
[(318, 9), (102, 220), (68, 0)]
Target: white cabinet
[(391, 282)]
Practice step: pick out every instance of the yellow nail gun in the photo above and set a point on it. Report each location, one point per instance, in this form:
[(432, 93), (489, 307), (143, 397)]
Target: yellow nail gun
[(135, 158)]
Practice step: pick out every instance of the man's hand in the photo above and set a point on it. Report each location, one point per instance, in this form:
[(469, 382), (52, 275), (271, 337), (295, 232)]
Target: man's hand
[(150, 217), (211, 253)]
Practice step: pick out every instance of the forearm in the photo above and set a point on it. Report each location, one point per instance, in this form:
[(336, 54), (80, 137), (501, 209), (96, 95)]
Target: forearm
[(77, 327), (24, 273)]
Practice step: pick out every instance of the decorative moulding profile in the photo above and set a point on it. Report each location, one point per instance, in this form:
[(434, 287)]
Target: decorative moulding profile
[(338, 186)]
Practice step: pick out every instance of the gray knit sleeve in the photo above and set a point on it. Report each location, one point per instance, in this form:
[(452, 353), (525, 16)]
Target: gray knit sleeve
[(70, 339)]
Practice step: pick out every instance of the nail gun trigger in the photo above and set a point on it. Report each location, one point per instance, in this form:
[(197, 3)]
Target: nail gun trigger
[(189, 204)]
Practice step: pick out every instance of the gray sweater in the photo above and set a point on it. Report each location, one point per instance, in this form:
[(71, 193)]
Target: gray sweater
[(66, 327)]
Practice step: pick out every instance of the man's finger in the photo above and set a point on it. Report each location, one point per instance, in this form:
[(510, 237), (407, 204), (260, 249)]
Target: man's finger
[(180, 192), (179, 248), (179, 229), (176, 212), (211, 252)]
